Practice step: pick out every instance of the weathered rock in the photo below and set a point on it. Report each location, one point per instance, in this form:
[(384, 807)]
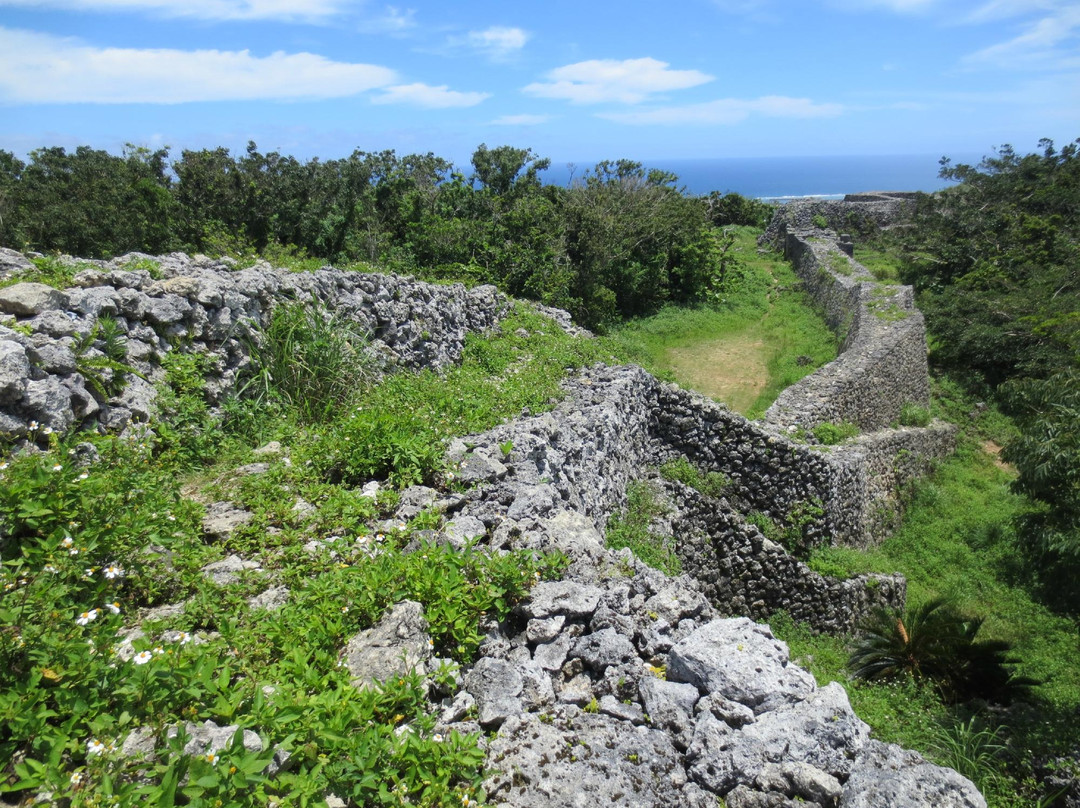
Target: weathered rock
[(228, 570), (670, 706), (885, 774), (574, 600), (28, 299), (603, 648), (397, 644), (14, 371), (587, 760), (800, 780), (271, 600), (13, 262), (496, 685), (222, 518), (740, 660), (821, 731)]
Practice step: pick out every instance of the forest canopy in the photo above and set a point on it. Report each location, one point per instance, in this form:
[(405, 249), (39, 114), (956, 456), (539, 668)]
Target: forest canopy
[(620, 240)]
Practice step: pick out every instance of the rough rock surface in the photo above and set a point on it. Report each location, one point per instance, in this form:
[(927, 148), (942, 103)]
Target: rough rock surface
[(395, 645)]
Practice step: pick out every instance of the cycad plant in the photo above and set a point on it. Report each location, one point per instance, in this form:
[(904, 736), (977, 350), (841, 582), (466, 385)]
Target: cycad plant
[(935, 642)]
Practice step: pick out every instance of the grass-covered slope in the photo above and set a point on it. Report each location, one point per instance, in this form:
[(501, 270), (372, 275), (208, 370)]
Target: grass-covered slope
[(111, 631)]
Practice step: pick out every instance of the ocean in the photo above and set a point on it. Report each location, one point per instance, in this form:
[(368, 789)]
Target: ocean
[(781, 178)]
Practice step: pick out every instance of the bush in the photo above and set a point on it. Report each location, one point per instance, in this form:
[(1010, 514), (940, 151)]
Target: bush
[(829, 434), (937, 643)]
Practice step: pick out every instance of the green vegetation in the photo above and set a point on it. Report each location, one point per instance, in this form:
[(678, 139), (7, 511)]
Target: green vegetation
[(914, 415), (958, 544), (630, 528), (711, 484), (758, 337), (996, 264), (622, 241), (881, 259), (88, 546), (830, 434)]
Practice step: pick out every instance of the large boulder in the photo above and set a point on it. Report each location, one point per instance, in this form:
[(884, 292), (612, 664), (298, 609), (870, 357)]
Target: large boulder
[(28, 299), (740, 660), (885, 774), (578, 760)]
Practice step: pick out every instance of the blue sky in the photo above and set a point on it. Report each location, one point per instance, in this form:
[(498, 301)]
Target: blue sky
[(575, 81)]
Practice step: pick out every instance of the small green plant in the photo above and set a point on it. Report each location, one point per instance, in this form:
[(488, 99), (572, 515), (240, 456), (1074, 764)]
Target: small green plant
[(711, 484), (914, 415), (819, 221), (830, 434), (972, 748), (105, 371), (631, 529), (936, 643), (506, 448)]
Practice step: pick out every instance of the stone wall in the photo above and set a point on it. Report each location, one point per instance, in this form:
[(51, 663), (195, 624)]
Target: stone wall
[(202, 306), (615, 425)]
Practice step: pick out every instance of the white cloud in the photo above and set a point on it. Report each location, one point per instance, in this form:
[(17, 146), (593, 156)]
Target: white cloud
[(42, 69), (629, 81), (1039, 46), (521, 120), (424, 95), (203, 9), (728, 111), (392, 21), (498, 42)]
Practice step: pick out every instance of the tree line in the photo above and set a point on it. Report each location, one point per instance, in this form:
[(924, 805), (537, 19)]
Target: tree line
[(996, 262), (620, 241)]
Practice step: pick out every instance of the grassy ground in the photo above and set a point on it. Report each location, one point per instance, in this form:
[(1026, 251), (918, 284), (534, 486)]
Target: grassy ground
[(760, 337), (957, 542)]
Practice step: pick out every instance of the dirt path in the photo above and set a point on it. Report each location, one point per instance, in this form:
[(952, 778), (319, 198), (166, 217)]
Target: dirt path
[(731, 369)]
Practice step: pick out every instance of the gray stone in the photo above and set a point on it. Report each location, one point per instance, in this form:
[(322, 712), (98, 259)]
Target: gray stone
[(532, 502), (464, 529), (587, 760), (574, 600), (577, 689), (210, 737), (541, 630), (271, 600), (745, 797), (798, 779), (415, 499), (222, 518), (670, 706), (228, 570), (13, 262), (536, 689), (50, 402), (28, 299), (53, 357), (885, 774), (602, 649), (821, 731), (397, 644), (14, 371), (609, 705), (551, 656), (740, 660), (479, 467), (496, 685)]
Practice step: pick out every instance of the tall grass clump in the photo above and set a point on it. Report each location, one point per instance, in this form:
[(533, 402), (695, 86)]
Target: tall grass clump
[(311, 360)]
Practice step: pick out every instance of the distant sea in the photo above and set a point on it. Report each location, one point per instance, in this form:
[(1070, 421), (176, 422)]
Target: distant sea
[(780, 178)]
